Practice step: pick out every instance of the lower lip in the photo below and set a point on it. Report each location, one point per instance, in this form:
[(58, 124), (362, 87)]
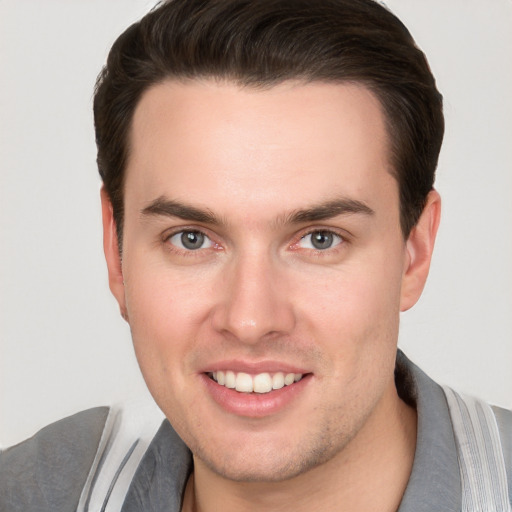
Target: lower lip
[(254, 405)]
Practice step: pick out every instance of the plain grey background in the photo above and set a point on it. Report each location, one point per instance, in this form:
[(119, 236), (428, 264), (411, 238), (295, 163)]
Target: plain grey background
[(63, 346)]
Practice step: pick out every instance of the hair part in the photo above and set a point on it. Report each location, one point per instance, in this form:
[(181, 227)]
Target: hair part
[(266, 42)]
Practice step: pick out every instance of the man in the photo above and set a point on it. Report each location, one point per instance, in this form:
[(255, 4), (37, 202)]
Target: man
[(268, 211)]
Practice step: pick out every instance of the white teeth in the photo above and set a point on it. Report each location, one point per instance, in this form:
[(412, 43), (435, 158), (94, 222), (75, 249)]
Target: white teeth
[(244, 383), (260, 383), (289, 379), (230, 380), (278, 380)]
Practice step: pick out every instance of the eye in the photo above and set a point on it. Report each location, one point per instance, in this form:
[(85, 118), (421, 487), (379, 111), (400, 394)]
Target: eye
[(190, 240), (320, 240)]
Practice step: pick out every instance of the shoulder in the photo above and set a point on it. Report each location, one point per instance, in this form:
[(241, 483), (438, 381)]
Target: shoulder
[(504, 421), (484, 438), (48, 471)]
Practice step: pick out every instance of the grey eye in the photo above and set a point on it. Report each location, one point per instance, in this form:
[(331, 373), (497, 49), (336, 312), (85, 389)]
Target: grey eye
[(320, 240), (190, 240)]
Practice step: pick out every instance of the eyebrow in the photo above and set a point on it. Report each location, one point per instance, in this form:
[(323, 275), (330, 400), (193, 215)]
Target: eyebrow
[(329, 210), (323, 211), (170, 208)]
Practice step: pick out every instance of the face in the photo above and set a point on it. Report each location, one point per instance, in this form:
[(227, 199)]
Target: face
[(262, 251)]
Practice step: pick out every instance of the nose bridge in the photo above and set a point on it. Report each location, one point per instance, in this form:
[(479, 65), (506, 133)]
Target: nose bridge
[(253, 304)]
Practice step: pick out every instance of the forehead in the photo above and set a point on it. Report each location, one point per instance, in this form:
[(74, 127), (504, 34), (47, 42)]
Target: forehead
[(293, 143)]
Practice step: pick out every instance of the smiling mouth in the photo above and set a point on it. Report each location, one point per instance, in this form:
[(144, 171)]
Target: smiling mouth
[(259, 383)]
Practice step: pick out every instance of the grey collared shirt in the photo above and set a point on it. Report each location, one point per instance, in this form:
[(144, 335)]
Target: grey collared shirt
[(48, 472)]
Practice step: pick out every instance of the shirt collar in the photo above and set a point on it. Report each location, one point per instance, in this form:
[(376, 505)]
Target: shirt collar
[(435, 482)]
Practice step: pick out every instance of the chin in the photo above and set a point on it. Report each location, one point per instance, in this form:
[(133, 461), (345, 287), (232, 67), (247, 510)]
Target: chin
[(264, 471), (265, 462)]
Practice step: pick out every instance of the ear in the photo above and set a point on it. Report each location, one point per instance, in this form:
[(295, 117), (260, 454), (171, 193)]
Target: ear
[(419, 247), (112, 256)]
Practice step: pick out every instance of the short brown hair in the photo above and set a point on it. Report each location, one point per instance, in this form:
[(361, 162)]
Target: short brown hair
[(264, 42)]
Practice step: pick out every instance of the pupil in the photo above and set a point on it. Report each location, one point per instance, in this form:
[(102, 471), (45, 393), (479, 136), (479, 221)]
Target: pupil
[(321, 240), (192, 239)]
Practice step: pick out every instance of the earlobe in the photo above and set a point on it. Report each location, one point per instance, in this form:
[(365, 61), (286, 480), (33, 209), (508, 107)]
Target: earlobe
[(419, 247), (112, 255)]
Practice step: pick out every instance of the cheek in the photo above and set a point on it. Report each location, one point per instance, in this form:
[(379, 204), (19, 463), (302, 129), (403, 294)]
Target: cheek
[(161, 299), (354, 313), (162, 327), (353, 301), (166, 312)]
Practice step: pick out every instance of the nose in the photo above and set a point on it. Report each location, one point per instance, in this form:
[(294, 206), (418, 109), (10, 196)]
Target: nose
[(253, 304)]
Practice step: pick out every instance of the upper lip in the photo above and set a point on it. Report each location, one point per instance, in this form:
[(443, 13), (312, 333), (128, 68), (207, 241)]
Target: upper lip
[(254, 367)]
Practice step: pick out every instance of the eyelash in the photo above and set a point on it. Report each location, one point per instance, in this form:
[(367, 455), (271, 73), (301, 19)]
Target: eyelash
[(343, 240), (294, 245), (187, 252)]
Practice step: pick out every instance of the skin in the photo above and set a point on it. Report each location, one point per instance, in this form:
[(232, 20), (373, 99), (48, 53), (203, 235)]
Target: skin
[(259, 291)]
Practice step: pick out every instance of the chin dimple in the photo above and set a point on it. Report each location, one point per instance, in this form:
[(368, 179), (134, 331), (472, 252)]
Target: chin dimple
[(259, 383)]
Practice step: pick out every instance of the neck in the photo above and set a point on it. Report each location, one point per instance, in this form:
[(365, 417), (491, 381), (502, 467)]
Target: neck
[(369, 474)]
